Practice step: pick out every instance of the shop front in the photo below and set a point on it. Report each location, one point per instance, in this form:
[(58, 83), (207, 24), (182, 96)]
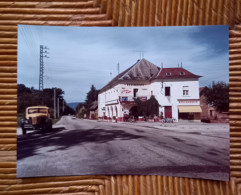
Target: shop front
[(189, 112)]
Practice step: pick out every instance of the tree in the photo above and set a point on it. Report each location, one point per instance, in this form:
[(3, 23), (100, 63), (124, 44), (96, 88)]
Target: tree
[(78, 107), (33, 97), (153, 106), (81, 113), (218, 96), (68, 110), (147, 108), (92, 96)]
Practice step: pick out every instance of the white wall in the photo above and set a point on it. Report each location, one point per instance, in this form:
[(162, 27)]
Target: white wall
[(127, 89), (101, 104), (176, 88), (110, 98)]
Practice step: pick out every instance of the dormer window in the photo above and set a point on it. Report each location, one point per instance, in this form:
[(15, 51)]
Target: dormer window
[(182, 73), (168, 74)]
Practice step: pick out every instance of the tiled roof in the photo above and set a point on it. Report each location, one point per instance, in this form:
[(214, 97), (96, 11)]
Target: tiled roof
[(142, 70), (94, 105), (175, 73)]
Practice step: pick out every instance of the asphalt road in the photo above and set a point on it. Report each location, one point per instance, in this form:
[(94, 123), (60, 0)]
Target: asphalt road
[(84, 147)]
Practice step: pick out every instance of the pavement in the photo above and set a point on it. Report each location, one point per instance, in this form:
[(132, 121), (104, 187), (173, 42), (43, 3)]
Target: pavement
[(86, 147)]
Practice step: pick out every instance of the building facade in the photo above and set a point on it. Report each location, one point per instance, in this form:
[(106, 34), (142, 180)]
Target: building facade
[(176, 90)]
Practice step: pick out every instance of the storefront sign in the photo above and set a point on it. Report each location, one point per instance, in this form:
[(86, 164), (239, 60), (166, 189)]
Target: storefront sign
[(144, 98), (124, 99), (125, 91)]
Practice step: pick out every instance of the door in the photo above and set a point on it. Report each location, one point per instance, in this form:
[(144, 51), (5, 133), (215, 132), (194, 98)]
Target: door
[(168, 112)]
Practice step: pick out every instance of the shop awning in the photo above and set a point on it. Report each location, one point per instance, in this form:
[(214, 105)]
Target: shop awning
[(189, 109)]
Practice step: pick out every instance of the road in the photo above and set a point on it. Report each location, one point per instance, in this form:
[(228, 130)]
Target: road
[(84, 147)]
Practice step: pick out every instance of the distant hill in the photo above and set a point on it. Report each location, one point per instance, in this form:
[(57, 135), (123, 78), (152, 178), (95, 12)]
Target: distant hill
[(73, 105)]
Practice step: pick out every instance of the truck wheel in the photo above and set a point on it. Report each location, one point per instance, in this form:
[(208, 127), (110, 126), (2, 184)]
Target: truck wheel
[(24, 131), (50, 126), (44, 128)]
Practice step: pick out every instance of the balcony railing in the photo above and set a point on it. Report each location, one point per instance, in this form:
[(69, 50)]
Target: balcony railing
[(131, 98)]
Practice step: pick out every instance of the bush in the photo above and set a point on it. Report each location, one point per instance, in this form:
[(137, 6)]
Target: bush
[(147, 108), (82, 112)]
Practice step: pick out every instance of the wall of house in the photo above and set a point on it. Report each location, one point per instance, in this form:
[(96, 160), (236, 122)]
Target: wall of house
[(101, 104), (128, 89), (176, 92), (110, 99)]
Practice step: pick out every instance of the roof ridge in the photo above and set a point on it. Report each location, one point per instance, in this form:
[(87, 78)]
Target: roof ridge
[(158, 72), (138, 61), (174, 67)]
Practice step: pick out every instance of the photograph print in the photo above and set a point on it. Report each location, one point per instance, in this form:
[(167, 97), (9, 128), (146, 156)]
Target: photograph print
[(123, 101)]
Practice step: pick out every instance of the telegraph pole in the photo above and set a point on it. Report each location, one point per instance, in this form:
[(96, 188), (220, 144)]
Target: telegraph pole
[(63, 105), (58, 107), (43, 54), (54, 102)]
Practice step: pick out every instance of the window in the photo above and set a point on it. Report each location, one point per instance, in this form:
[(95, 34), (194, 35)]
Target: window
[(185, 90), (167, 91), (182, 73), (135, 91), (168, 74)]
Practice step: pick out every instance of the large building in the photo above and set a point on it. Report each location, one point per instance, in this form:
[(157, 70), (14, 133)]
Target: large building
[(176, 90)]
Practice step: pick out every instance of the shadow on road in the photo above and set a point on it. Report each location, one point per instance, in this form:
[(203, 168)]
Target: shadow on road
[(28, 145)]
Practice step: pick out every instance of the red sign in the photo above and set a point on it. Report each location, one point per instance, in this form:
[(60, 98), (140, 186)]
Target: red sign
[(125, 91), (143, 98)]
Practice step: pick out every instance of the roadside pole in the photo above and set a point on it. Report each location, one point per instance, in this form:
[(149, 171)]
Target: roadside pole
[(58, 107), (63, 105)]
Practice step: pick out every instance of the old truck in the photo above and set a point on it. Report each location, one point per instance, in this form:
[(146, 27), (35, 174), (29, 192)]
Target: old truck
[(36, 118)]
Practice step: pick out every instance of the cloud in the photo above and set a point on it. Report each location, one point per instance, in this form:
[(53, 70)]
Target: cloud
[(81, 56)]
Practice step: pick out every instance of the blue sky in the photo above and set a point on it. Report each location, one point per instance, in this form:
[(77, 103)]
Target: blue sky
[(82, 56)]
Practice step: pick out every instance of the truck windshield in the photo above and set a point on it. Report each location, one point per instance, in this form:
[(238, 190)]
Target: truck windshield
[(37, 110)]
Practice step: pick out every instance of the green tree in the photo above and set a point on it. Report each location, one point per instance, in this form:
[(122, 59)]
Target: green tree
[(153, 106), (81, 113), (147, 108), (79, 106), (92, 96), (218, 96), (68, 110), (33, 97)]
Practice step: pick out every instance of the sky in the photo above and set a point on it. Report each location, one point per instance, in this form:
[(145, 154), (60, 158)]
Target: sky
[(81, 56)]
